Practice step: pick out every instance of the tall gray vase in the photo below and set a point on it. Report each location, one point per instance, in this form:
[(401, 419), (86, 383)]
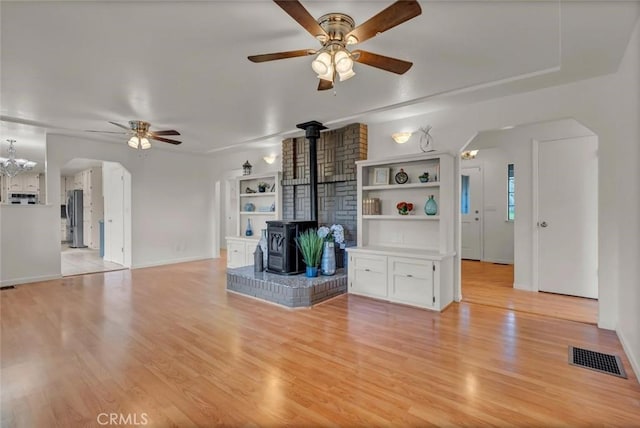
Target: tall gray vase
[(328, 263)]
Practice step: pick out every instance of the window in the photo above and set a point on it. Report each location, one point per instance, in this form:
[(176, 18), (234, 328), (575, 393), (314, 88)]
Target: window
[(511, 193), (464, 202)]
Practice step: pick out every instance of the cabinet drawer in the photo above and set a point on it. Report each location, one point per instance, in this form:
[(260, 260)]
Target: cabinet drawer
[(369, 263), (410, 267)]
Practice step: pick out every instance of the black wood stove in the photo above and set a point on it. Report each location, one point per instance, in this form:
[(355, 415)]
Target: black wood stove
[(283, 255)]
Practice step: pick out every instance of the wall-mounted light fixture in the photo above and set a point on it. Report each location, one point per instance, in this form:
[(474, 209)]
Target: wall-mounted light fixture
[(401, 137), (270, 159), (469, 154), (246, 168)]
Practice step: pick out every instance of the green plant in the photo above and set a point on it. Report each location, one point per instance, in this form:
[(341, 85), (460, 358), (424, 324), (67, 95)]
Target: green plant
[(310, 245)]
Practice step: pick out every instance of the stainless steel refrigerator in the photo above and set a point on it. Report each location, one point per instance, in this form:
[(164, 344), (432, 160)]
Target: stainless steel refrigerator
[(75, 222)]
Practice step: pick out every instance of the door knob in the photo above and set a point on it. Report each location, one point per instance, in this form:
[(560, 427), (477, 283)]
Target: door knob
[(543, 224)]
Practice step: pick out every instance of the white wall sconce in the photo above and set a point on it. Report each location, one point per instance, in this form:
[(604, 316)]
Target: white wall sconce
[(270, 159), (401, 137), (469, 154)]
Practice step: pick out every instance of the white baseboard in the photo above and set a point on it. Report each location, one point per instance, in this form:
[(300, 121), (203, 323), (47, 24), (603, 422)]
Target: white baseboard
[(524, 287), (633, 359), (169, 262), (26, 280)]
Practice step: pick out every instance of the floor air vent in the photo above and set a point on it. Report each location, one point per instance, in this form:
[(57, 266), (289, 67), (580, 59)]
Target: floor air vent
[(8, 287), (597, 361)]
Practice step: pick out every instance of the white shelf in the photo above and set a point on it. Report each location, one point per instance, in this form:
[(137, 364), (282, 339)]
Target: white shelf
[(416, 217), (402, 186), (257, 213), (253, 195)]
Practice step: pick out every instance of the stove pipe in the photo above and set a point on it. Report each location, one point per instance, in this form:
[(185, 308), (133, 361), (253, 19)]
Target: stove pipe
[(312, 133)]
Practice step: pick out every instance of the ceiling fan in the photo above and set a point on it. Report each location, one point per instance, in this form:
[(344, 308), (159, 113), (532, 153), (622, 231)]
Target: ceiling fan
[(335, 31), (140, 134)]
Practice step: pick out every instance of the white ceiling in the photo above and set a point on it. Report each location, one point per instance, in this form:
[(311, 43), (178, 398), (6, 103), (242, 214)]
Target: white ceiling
[(183, 65)]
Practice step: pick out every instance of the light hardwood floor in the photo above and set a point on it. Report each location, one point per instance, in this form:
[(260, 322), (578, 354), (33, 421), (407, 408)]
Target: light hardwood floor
[(492, 284), (170, 344)]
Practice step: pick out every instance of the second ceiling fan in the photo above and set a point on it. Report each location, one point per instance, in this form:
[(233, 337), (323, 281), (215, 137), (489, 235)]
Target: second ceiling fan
[(335, 31), (140, 134)]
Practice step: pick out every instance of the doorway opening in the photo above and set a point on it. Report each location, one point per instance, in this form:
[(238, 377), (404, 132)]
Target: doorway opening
[(528, 220), (95, 217)]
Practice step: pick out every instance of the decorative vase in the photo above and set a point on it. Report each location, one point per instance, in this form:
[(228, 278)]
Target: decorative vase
[(431, 207), (311, 272), (249, 230), (328, 264), (258, 265), (263, 247)]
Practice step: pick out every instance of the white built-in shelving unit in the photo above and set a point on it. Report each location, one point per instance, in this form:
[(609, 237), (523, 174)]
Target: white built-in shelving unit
[(405, 258), (266, 206)]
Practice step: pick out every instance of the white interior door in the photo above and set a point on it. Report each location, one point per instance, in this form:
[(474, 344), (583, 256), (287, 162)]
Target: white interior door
[(568, 216), (113, 188), (471, 210)]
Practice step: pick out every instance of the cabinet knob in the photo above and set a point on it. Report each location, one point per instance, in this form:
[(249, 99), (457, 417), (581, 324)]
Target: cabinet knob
[(367, 270), (409, 276)]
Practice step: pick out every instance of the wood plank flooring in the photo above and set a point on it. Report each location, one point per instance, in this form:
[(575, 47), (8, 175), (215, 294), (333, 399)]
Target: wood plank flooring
[(492, 284), (170, 345)]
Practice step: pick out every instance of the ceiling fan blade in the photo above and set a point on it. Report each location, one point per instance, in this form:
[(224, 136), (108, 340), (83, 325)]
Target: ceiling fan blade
[(167, 132), (104, 132), (128, 128), (382, 62), (28, 122), (396, 14), (281, 55), (165, 140), (301, 16), (323, 85)]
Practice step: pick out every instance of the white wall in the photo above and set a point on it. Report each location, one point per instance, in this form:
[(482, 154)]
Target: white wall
[(28, 235), (172, 201), (498, 236), (627, 176)]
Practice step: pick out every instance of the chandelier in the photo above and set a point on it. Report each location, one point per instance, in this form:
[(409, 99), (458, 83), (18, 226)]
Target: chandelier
[(12, 166)]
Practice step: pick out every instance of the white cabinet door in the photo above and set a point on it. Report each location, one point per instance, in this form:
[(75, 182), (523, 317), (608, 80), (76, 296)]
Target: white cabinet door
[(15, 184), (368, 275), (250, 248), (411, 281), (236, 253)]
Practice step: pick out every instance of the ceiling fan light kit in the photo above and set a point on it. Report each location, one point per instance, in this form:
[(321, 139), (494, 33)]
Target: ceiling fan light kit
[(139, 143), (336, 31)]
